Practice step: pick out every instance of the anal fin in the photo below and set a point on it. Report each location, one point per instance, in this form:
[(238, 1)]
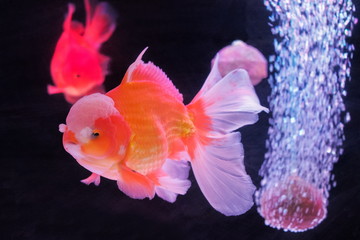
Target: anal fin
[(173, 180)]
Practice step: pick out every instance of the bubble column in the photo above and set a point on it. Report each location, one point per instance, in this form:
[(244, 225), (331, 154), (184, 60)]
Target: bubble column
[(308, 74)]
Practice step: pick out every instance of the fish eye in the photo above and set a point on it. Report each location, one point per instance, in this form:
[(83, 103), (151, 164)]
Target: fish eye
[(95, 134)]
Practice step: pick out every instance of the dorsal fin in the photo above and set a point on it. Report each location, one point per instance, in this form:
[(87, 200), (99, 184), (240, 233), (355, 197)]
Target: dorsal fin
[(149, 72), (68, 18), (72, 25)]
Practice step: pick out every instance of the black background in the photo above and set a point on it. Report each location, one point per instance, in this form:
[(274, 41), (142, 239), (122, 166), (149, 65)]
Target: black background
[(41, 194)]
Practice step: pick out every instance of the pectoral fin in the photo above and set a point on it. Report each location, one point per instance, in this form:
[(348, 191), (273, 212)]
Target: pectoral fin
[(93, 178), (54, 90), (135, 185)]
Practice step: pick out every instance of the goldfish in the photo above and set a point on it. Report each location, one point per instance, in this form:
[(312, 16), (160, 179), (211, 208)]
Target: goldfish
[(241, 55), (143, 136), (77, 67)]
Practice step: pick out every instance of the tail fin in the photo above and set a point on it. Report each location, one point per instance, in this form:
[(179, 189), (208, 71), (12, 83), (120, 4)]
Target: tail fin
[(222, 106), (100, 21)]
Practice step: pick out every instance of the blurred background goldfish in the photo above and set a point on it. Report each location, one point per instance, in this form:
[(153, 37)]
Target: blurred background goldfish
[(244, 56), (77, 66)]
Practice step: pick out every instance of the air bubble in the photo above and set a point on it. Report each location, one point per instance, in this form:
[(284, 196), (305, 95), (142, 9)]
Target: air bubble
[(347, 117), (328, 150)]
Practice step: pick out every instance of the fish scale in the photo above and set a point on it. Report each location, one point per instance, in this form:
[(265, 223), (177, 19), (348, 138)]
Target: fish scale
[(156, 119)]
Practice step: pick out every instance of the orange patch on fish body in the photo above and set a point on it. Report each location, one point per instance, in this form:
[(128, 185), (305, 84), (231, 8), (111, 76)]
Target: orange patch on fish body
[(156, 120)]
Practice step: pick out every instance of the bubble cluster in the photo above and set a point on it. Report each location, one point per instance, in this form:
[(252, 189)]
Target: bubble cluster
[(308, 74)]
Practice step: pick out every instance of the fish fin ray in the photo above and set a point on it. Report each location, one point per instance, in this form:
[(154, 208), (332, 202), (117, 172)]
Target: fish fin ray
[(174, 181), (230, 103), (89, 9), (135, 185), (219, 170), (93, 178), (68, 18), (140, 71), (100, 23), (213, 77), (216, 152)]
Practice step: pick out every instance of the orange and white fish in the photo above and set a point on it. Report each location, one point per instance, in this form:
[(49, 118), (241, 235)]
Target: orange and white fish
[(77, 67), (141, 135)]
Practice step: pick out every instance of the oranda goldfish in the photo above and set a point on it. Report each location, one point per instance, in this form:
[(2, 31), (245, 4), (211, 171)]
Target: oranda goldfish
[(244, 56), (77, 67), (141, 135)]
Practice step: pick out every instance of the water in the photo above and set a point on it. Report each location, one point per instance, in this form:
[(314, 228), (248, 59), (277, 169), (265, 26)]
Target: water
[(309, 71)]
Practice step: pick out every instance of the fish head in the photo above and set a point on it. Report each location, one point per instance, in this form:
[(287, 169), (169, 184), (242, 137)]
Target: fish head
[(96, 134), (81, 71)]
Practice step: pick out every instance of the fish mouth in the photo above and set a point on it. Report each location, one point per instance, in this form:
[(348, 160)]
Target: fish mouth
[(74, 149), (69, 138), (93, 165), (69, 145)]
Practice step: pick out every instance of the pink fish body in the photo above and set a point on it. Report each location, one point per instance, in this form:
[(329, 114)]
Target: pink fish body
[(142, 135), (243, 56), (77, 67)]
